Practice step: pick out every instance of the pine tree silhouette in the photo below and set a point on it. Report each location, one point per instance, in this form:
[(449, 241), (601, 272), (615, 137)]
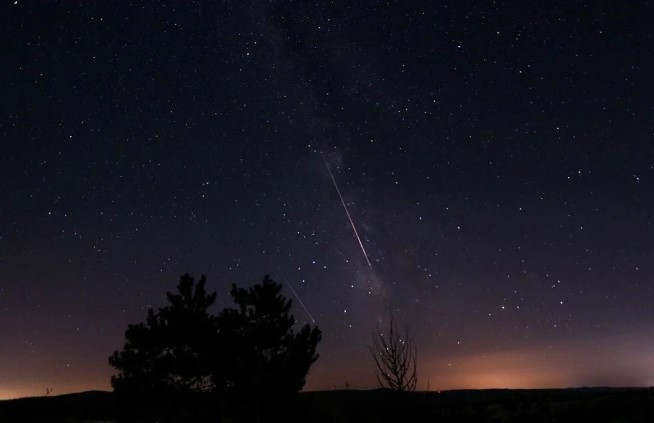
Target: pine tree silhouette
[(265, 353), (245, 359), (171, 353)]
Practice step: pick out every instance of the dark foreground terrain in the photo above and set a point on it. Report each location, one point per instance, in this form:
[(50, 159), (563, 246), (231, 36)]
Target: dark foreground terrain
[(548, 405)]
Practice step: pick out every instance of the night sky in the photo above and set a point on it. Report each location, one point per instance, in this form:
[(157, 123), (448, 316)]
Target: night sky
[(496, 158)]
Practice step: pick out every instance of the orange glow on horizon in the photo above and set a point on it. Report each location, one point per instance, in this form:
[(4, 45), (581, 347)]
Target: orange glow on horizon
[(573, 365), (58, 386), (579, 363), (502, 370)]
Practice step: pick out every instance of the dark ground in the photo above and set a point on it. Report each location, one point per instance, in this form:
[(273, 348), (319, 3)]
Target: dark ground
[(548, 405)]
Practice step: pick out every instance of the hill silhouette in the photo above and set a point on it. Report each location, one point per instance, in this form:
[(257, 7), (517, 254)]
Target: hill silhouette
[(78, 407), (612, 405)]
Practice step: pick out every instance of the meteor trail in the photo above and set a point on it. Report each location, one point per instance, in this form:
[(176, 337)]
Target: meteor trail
[(356, 234), (299, 300)]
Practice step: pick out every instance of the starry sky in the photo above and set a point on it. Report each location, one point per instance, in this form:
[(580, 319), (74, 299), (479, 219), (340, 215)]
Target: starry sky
[(496, 158)]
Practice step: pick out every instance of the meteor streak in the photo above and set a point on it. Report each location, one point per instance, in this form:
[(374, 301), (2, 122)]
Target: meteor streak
[(356, 234), (299, 300)]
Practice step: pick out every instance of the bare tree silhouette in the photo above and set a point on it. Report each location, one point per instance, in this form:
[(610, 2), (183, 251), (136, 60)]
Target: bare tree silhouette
[(395, 358)]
